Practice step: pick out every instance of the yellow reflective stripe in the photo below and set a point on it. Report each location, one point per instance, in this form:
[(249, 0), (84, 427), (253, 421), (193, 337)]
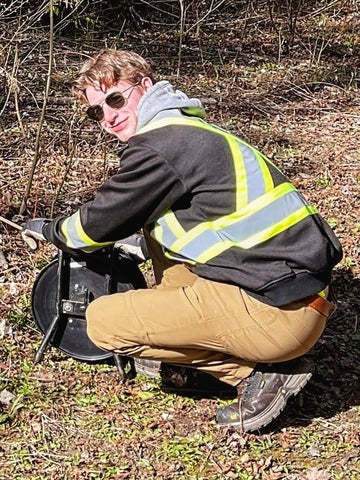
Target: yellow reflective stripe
[(173, 224), (199, 123), (75, 224), (269, 184), (157, 233), (172, 256), (259, 237), (240, 174), (165, 122), (232, 218)]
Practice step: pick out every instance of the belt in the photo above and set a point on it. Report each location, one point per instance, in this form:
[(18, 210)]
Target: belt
[(320, 304)]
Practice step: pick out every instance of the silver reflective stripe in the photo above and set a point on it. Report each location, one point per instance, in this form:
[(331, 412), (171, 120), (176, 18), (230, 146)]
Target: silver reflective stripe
[(76, 238), (253, 173), (163, 232), (239, 229)]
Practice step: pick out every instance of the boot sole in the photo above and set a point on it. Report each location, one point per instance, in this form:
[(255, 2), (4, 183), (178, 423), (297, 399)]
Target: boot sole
[(292, 387)]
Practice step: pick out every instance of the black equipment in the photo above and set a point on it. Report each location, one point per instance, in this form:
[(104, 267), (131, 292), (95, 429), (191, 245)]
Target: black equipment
[(65, 287)]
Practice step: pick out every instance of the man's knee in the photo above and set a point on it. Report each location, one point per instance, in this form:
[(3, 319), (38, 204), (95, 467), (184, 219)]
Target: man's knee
[(97, 322), (111, 321)]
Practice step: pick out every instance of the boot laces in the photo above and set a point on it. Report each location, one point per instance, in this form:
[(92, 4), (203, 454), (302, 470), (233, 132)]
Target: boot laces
[(250, 385)]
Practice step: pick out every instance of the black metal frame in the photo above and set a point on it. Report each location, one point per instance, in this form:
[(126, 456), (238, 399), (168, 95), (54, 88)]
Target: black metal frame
[(66, 307)]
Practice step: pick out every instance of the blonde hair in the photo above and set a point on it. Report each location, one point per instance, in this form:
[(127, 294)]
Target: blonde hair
[(107, 68)]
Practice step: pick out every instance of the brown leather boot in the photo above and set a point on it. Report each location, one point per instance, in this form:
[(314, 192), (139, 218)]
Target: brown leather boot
[(263, 395)]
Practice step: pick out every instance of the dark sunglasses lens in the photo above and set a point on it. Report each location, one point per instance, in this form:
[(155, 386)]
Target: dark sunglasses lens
[(115, 100), (95, 112)]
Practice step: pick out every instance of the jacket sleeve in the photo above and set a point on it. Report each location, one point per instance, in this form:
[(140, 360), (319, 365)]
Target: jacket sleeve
[(145, 186)]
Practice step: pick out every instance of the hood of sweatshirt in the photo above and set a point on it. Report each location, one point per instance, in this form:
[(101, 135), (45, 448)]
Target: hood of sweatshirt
[(164, 100)]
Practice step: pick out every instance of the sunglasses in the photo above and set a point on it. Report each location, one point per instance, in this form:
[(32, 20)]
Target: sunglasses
[(114, 100)]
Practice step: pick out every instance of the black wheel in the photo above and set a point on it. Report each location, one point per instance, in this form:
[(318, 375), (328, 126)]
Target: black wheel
[(95, 275)]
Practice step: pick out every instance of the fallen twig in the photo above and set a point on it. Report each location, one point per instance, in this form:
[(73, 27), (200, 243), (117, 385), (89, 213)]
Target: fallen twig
[(3, 261)]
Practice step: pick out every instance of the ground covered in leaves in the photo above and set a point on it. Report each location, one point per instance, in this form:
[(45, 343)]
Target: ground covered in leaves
[(66, 419)]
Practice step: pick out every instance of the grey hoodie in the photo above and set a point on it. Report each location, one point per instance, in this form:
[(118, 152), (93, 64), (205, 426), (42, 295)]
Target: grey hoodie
[(162, 100)]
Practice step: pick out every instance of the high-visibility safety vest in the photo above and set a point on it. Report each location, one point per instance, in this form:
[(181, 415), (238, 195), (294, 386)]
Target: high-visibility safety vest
[(262, 210)]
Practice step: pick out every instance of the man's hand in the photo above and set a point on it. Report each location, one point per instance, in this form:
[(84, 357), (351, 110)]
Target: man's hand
[(34, 228), (134, 246)]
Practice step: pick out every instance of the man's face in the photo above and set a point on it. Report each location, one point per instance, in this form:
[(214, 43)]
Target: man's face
[(121, 122)]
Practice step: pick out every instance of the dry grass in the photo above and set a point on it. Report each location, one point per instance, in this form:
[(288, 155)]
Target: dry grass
[(65, 419)]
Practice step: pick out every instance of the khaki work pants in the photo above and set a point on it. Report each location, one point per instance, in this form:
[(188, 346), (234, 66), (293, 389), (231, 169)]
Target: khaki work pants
[(190, 321)]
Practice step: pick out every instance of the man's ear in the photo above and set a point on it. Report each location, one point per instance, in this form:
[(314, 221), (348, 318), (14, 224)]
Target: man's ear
[(146, 83)]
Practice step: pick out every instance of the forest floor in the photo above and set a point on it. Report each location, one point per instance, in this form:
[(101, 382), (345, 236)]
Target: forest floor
[(72, 420)]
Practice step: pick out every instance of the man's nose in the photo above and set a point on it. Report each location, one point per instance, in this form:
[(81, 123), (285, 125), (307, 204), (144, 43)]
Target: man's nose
[(110, 114)]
